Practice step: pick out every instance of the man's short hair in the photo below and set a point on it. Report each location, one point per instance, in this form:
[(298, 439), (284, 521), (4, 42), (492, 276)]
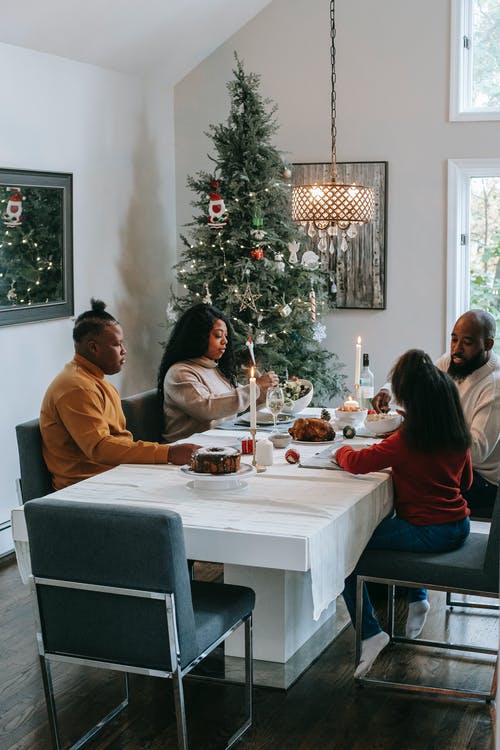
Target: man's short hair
[(487, 322), (92, 321)]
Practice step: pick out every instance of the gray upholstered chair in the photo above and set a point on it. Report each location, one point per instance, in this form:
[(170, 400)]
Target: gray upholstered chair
[(471, 569), (35, 480), (104, 576), (143, 415)]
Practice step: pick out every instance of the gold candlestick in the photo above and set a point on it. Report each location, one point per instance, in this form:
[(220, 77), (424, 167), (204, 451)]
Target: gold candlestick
[(258, 469), (253, 431)]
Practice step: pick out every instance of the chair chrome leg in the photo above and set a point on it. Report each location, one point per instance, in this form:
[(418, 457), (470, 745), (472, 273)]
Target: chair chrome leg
[(391, 594), (359, 617), (248, 685), (180, 710), (50, 702)]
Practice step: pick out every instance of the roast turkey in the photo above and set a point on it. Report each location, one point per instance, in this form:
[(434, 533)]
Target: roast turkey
[(312, 430)]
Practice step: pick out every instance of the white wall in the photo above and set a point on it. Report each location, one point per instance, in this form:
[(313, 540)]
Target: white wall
[(392, 105), (71, 117)]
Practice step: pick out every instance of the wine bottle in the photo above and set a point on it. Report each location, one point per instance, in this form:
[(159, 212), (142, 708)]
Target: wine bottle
[(366, 384)]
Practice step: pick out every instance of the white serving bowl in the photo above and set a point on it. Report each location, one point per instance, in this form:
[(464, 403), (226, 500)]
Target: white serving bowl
[(301, 403), (352, 418), (379, 424)]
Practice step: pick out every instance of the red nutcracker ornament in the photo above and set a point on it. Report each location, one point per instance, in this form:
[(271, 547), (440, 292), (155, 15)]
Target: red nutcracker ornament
[(217, 214), (257, 253), (13, 213)]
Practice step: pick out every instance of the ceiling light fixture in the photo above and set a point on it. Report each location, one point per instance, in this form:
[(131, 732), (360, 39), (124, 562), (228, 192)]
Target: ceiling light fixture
[(333, 204)]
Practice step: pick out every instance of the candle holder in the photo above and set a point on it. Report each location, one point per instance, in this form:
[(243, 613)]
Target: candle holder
[(259, 469), (253, 431)]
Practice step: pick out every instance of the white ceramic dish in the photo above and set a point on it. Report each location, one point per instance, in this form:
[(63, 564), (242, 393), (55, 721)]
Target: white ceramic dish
[(351, 418), (382, 423), (218, 482), (301, 403)]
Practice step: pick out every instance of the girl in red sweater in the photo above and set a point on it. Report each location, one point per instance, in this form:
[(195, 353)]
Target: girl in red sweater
[(431, 466)]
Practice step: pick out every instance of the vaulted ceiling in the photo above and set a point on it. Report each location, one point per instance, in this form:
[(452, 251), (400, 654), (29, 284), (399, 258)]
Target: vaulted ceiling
[(130, 36)]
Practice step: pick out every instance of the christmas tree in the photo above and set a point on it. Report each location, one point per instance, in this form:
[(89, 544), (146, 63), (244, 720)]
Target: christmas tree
[(246, 256), (31, 243)]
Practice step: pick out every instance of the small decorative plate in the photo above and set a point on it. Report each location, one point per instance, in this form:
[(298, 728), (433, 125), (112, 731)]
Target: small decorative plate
[(218, 482)]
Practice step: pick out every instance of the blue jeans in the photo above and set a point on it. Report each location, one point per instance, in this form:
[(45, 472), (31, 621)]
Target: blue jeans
[(394, 533)]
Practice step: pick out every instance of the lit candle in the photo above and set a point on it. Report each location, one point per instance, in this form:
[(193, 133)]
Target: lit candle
[(253, 400), (351, 404), (357, 363)]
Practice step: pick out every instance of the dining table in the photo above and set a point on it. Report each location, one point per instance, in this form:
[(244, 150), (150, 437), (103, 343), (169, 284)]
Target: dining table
[(292, 532)]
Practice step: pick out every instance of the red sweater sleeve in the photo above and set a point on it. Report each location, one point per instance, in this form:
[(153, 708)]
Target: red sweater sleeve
[(379, 456)]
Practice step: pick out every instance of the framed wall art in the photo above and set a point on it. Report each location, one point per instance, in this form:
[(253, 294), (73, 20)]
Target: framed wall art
[(357, 273), (36, 246)]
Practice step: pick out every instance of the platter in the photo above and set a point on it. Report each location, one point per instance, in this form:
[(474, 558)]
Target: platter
[(217, 482), (315, 442), (265, 418)]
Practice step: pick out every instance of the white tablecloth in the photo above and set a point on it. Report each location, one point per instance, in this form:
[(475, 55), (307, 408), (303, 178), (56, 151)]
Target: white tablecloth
[(330, 515)]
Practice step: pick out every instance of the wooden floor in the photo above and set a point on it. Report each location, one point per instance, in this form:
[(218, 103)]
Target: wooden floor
[(324, 709)]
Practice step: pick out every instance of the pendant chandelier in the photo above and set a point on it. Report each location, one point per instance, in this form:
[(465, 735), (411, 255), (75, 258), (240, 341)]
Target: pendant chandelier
[(333, 205)]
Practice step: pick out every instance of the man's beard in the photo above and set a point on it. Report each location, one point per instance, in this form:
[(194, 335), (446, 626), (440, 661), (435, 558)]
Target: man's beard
[(466, 367)]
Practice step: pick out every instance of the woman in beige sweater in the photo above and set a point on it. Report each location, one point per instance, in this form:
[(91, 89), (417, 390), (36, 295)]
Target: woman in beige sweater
[(197, 377)]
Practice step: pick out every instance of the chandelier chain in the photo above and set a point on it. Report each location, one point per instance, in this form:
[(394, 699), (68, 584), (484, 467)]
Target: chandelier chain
[(333, 96)]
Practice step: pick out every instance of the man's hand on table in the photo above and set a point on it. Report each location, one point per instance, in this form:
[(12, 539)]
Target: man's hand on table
[(181, 453), (381, 401)]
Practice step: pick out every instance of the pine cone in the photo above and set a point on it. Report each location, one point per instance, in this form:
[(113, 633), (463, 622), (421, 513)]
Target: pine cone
[(325, 414)]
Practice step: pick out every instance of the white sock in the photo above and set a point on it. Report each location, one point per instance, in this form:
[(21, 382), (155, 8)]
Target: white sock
[(417, 615), (370, 649)]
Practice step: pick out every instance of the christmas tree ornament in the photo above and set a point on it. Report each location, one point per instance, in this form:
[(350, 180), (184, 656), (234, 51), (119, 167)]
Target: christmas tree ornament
[(333, 287), (312, 297), (293, 248), (217, 214), (13, 215), (319, 332), (261, 337), (207, 299), (258, 232), (287, 173), (311, 231), (310, 259), (249, 345), (170, 313), (248, 299), (12, 294), (257, 253), (279, 263), (284, 310)]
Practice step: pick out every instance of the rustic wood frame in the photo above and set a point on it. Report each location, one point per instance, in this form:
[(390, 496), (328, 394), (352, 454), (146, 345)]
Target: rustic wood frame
[(358, 278)]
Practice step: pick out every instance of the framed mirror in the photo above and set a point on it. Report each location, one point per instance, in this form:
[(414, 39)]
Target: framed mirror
[(36, 246)]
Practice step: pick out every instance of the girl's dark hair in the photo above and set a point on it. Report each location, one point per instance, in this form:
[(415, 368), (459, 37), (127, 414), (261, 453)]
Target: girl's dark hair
[(434, 417), (92, 321), (189, 339)]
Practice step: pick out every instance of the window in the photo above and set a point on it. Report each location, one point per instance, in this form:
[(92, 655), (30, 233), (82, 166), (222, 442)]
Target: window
[(473, 238), (475, 60)]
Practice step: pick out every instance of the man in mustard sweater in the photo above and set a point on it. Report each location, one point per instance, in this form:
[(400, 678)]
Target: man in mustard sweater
[(81, 420)]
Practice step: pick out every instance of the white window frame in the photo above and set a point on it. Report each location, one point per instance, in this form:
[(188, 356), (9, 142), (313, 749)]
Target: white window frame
[(460, 173), (461, 69)]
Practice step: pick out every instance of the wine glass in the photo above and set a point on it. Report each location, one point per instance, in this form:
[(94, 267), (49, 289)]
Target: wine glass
[(275, 401)]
